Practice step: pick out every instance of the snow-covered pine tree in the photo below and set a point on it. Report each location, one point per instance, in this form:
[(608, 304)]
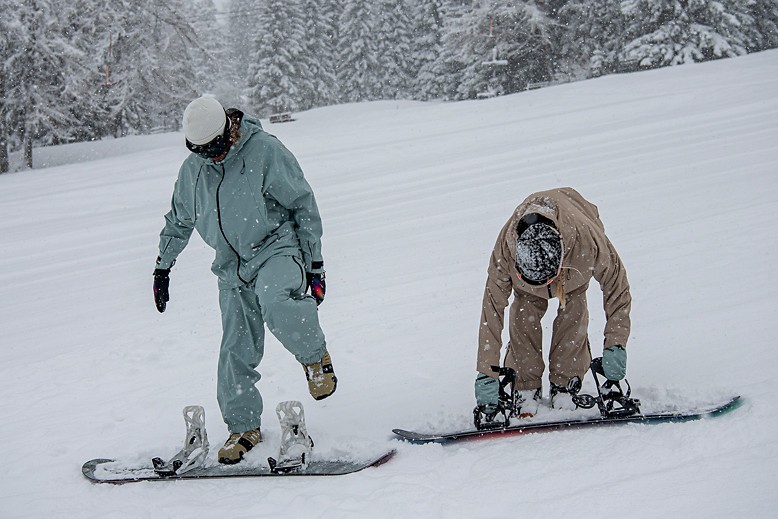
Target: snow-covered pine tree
[(764, 13), (589, 38), (393, 36), (520, 34), (178, 50), (466, 46), (39, 67), (152, 75), (9, 37), (449, 66), (427, 77), (673, 32), (240, 23), (357, 51), (319, 52), (209, 54), (528, 43), (87, 30), (277, 72)]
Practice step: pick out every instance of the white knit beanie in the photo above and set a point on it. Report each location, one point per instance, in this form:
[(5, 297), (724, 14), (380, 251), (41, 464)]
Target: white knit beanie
[(204, 120)]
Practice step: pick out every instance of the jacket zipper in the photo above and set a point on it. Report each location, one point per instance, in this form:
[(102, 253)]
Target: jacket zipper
[(219, 218)]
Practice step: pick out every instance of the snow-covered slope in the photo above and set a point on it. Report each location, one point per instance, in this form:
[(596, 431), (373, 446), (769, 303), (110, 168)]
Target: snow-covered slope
[(683, 164)]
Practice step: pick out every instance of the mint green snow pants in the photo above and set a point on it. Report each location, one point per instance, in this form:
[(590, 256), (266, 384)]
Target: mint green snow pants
[(276, 298)]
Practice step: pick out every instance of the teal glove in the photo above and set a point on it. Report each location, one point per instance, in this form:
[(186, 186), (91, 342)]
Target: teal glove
[(614, 362), (486, 390)]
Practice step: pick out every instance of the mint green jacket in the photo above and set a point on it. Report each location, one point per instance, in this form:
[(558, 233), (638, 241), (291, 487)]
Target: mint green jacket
[(253, 205)]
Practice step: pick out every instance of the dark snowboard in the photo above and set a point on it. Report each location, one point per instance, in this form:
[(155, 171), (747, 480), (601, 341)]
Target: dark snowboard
[(531, 427), (109, 471)]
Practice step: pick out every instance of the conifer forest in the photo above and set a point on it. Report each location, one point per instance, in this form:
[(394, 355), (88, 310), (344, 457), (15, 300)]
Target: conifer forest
[(79, 70)]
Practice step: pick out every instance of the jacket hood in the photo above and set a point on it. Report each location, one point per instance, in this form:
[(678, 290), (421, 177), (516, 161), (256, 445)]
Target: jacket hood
[(547, 204), (249, 125), (542, 205)]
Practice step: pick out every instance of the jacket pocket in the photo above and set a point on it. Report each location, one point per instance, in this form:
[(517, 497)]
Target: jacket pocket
[(303, 283), (264, 243)]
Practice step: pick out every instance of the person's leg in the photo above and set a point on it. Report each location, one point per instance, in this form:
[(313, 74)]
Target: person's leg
[(242, 347), (570, 356), (291, 316), (525, 349)]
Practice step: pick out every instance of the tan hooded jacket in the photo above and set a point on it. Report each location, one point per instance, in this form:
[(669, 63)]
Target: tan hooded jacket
[(587, 253)]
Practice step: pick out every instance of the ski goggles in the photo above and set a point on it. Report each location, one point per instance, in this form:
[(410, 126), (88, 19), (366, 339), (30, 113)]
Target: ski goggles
[(215, 147)]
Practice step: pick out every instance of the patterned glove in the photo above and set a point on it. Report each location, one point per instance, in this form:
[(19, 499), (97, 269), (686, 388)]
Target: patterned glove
[(614, 362), (317, 286), (161, 284)]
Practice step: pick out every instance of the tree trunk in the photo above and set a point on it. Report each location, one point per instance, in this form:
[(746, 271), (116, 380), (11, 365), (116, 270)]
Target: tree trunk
[(3, 128), (28, 150), (26, 136)]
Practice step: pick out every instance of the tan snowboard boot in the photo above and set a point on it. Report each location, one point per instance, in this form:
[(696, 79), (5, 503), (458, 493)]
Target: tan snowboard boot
[(322, 381), (237, 445)]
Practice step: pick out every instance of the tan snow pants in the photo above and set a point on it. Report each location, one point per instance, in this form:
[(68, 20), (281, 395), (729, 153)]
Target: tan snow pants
[(570, 354)]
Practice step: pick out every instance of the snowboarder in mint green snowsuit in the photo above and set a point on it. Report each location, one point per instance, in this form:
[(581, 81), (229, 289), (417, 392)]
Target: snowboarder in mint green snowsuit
[(246, 195)]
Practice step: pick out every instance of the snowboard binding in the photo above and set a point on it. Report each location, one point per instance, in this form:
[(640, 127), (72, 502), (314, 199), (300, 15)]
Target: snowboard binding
[(195, 446), (611, 399), (296, 445), (499, 416)]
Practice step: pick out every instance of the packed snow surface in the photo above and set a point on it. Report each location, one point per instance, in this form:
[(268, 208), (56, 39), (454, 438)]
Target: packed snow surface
[(683, 165)]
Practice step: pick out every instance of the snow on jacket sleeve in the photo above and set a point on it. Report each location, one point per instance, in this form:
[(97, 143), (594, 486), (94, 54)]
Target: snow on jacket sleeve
[(496, 294), (284, 181), (179, 222), (617, 300)]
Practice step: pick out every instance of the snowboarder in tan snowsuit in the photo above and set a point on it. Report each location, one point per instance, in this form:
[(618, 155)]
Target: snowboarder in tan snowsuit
[(551, 247)]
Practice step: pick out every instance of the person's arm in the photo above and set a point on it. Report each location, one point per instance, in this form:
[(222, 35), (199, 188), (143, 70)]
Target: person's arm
[(617, 300), (172, 240), (496, 294), (179, 225)]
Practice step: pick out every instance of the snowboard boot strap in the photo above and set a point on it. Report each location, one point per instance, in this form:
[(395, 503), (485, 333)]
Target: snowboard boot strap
[(612, 400), (572, 388), (296, 445), (507, 395), (486, 417), (195, 448)]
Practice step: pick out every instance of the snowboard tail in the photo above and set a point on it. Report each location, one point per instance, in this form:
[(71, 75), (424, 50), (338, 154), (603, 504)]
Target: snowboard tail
[(546, 426), (109, 471)]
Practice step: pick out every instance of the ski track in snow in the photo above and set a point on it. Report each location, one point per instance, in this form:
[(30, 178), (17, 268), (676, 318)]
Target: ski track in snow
[(683, 164)]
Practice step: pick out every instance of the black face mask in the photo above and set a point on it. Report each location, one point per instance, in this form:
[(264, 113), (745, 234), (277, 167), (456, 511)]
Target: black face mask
[(214, 148)]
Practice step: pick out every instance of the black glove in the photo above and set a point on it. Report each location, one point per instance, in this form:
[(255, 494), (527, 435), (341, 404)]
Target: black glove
[(316, 285), (161, 284)]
